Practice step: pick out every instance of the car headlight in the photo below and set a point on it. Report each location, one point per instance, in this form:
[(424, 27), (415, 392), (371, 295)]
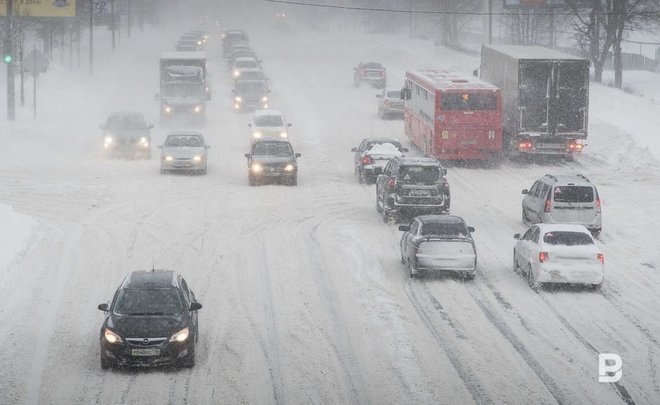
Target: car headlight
[(111, 337), (238, 99), (167, 109), (257, 134), (264, 99), (265, 106), (256, 167), (108, 139), (289, 168), (181, 336), (237, 106), (237, 73), (197, 158), (198, 108), (169, 158), (283, 135)]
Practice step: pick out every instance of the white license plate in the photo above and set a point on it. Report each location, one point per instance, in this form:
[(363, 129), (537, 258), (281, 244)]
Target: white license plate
[(145, 352), (419, 192), (548, 146)]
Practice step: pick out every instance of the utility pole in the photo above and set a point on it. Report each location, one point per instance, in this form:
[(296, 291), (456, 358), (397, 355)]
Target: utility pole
[(129, 17), (490, 22), (9, 50), (112, 22), (91, 37)]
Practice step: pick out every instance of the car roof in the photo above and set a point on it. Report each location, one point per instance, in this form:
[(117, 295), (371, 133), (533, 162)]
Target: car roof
[(151, 279), (440, 219), (271, 140), (563, 227), (132, 114), (576, 179), (261, 113), (381, 140), (417, 161), (184, 133), (245, 58)]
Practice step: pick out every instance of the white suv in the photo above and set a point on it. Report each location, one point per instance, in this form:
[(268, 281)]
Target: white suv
[(268, 124), (563, 199)]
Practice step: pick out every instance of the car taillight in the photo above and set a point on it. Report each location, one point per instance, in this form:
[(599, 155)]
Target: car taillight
[(543, 257), (598, 204), (548, 205), (386, 103), (367, 160), (601, 258), (391, 183), (524, 145), (573, 146)]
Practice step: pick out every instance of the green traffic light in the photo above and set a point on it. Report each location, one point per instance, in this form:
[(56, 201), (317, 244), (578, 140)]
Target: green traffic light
[(8, 59)]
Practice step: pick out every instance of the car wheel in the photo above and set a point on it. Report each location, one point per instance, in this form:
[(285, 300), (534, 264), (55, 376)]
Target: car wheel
[(596, 287), (106, 363), (162, 171), (515, 264), (252, 181), (189, 362), (379, 207), (531, 280), (470, 276), (360, 174), (412, 272), (293, 181), (525, 220)]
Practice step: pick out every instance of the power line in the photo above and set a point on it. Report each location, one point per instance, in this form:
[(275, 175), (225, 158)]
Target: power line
[(461, 13)]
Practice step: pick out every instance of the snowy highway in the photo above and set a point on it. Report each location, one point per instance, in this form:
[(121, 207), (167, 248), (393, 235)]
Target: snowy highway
[(305, 299)]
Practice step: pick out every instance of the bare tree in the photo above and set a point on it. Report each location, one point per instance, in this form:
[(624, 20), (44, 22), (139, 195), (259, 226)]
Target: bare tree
[(456, 13), (528, 26), (601, 25)]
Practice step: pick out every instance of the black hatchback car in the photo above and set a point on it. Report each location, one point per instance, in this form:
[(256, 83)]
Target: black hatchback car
[(412, 186), (152, 320), (272, 159)]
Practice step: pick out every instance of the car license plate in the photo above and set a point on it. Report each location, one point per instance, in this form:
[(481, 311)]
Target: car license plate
[(419, 192), (548, 146), (145, 352)]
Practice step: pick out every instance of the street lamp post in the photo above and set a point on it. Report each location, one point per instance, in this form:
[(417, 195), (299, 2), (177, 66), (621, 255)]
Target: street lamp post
[(9, 50)]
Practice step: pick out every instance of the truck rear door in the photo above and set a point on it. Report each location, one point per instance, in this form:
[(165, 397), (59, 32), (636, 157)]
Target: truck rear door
[(570, 104), (534, 92)]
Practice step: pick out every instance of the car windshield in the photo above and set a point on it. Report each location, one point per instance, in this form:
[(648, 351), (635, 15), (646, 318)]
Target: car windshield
[(182, 90), (246, 64), (394, 94), (279, 149), (567, 238), (268, 121), (126, 122), (187, 141), (155, 301), (447, 230), (250, 87), (372, 66), (574, 194), (252, 75), (419, 174)]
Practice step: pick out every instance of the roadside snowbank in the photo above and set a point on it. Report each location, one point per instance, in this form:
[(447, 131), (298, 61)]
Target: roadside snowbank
[(15, 234)]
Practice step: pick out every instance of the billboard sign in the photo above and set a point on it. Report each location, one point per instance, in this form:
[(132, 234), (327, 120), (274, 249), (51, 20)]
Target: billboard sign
[(533, 3), (41, 8)]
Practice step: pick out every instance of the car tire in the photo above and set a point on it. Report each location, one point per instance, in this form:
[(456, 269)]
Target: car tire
[(596, 287), (412, 273), (360, 175), (531, 281), (293, 181), (515, 264), (525, 220), (379, 208), (470, 276), (189, 362), (252, 181), (106, 363)]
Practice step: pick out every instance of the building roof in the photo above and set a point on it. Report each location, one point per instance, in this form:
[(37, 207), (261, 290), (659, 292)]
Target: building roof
[(531, 52)]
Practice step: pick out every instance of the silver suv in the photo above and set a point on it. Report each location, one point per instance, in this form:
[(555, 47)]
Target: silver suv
[(563, 199)]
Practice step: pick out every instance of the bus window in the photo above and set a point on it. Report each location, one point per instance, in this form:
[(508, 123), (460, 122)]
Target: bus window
[(468, 102)]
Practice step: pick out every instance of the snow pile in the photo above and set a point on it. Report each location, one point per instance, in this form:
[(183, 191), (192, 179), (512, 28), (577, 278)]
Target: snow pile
[(15, 234), (384, 149)]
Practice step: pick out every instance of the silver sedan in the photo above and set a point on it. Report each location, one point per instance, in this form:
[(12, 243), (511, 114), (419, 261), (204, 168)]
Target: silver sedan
[(183, 151)]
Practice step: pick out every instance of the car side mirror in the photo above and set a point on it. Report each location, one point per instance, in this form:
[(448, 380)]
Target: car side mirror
[(247, 155), (378, 96), (516, 236), (233, 91), (150, 126), (298, 155), (444, 171), (353, 149), (289, 125), (103, 307), (160, 146), (208, 146), (195, 306), (471, 229), (249, 125), (475, 73), (404, 228), (525, 191), (268, 91)]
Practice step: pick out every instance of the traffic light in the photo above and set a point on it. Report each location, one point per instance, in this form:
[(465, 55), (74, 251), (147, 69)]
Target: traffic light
[(7, 57)]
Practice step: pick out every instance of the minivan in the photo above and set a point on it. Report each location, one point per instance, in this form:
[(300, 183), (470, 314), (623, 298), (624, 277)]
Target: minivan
[(565, 199)]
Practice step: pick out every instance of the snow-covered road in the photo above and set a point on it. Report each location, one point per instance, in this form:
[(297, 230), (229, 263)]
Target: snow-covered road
[(305, 300)]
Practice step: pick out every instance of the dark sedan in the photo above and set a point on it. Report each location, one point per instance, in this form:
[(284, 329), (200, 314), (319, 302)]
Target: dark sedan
[(151, 321), (272, 159)]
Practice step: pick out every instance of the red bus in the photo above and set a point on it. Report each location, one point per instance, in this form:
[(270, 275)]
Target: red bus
[(453, 116)]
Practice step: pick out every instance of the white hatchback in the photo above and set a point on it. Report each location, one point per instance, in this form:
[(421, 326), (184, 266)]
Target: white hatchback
[(268, 124), (558, 253)]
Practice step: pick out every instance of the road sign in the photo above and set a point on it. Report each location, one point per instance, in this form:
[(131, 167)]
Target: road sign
[(35, 63)]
